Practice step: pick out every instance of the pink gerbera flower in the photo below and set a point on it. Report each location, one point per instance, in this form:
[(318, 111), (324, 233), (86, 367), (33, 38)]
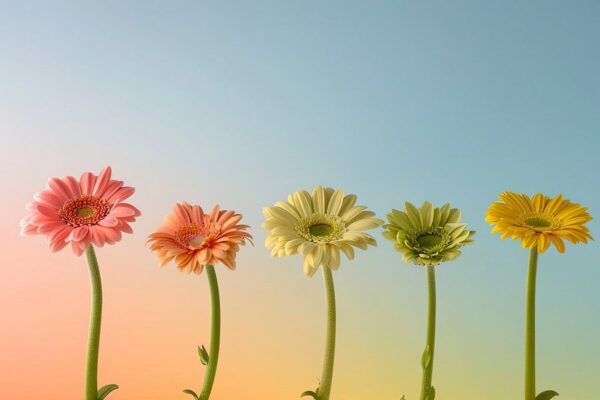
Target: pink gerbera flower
[(194, 239), (81, 212)]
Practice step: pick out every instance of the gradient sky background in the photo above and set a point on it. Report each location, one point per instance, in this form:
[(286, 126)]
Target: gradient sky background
[(241, 103)]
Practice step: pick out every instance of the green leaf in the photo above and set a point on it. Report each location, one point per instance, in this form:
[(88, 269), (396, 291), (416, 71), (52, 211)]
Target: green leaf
[(105, 390), (311, 394), (426, 358), (191, 393), (203, 354), (546, 395)]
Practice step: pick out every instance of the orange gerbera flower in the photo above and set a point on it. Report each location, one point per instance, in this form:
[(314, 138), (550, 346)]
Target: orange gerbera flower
[(194, 239)]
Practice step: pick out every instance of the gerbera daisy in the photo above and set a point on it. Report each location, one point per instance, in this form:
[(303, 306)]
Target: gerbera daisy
[(319, 226), (539, 221), (428, 236), (197, 241), (80, 212), (85, 212), (193, 239)]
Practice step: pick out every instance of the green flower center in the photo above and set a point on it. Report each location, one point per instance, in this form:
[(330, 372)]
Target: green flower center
[(85, 212), (429, 240), (538, 222), (320, 229)]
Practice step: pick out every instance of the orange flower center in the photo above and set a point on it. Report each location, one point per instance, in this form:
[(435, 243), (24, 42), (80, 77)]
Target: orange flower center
[(84, 210), (195, 236)]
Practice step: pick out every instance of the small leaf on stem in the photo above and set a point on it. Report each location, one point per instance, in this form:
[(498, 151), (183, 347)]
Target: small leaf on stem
[(105, 390), (546, 395), (203, 354), (191, 393), (426, 358), (311, 394)]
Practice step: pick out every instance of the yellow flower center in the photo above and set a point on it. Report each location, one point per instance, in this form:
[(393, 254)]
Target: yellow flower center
[(538, 222), (429, 240), (321, 228)]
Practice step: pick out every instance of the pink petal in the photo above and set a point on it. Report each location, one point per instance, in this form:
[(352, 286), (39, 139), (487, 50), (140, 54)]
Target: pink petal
[(28, 230), (79, 233), (97, 235), (52, 230), (48, 198), (48, 211), (111, 189), (60, 235), (78, 247), (103, 180), (121, 194), (57, 245), (124, 210), (112, 235), (41, 219), (109, 221), (60, 189), (125, 227), (73, 185), (87, 183)]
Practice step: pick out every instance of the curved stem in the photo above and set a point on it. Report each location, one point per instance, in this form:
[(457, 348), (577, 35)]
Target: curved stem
[(91, 366), (530, 327), (327, 373), (215, 334), (427, 360)]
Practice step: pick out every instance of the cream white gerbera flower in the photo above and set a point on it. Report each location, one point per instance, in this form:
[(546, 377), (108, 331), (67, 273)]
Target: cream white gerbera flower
[(318, 226)]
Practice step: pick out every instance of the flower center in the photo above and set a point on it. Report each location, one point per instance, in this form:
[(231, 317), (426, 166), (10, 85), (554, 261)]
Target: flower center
[(195, 236), (429, 240), (84, 210), (321, 228), (538, 222)]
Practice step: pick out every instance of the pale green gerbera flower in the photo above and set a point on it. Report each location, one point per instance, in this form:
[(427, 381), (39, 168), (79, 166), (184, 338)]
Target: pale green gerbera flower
[(427, 235)]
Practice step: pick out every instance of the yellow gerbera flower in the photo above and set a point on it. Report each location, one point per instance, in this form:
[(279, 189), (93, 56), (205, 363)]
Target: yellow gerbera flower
[(539, 221), (318, 226)]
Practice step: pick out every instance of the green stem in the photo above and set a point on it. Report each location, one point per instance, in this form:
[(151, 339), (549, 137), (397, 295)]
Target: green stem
[(215, 335), (427, 360), (91, 366), (530, 327), (327, 373)]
